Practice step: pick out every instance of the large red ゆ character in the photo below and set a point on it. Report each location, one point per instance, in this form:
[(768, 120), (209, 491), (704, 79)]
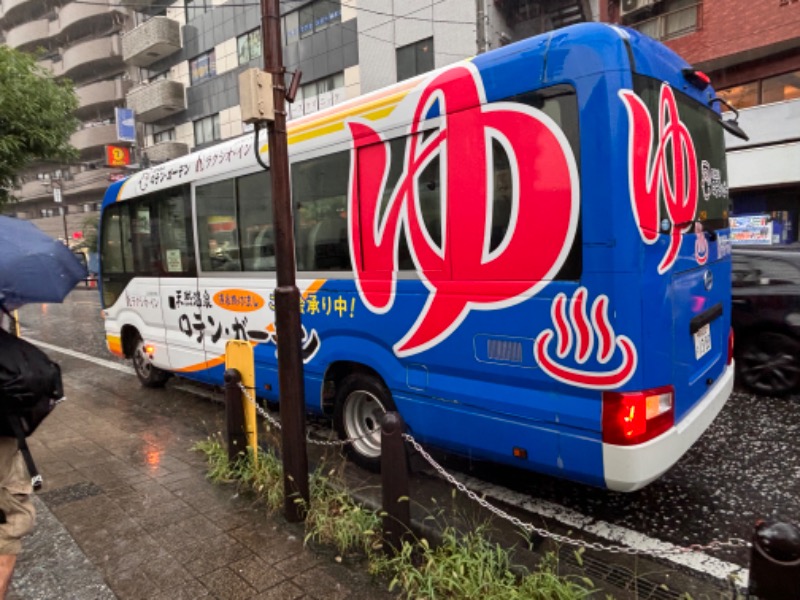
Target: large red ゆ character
[(465, 273), (648, 173)]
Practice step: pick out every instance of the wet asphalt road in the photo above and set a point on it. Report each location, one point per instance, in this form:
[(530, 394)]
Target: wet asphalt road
[(746, 467)]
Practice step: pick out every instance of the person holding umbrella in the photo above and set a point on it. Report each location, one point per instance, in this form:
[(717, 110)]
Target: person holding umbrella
[(33, 268)]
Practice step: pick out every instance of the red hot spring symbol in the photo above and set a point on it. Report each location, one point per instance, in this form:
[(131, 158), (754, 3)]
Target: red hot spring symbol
[(463, 273), (574, 328), (649, 176)]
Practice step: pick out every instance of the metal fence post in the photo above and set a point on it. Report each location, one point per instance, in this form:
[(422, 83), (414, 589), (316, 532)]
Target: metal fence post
[(775, 562), (234, 415), (394, 476)]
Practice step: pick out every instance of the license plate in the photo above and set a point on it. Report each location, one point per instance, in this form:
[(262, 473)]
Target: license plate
[(702, 341)]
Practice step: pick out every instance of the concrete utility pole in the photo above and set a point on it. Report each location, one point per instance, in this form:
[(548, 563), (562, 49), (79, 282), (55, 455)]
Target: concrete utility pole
[(480, 25), (287, 296)]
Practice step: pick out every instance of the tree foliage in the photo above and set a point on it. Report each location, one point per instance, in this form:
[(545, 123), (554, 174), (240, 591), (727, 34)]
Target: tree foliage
[(36, 119)]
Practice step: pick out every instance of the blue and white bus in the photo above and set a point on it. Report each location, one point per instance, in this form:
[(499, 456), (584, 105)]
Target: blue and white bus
[(526, 254)]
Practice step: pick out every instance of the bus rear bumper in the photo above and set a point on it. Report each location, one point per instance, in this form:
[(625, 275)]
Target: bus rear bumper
[(629, 468)]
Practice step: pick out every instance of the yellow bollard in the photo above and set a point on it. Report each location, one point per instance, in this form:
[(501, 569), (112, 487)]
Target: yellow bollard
[(16, 323), (239, 356)]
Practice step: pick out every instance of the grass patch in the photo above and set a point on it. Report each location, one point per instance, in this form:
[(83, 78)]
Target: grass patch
[(461, 566), (470, 566)]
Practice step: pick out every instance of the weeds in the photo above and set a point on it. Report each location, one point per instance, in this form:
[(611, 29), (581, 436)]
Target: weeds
[(470, 566), (335, 519), (461, 566)]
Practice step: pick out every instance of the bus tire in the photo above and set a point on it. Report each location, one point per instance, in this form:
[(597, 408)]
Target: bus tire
[(361, 402), (149, 375)]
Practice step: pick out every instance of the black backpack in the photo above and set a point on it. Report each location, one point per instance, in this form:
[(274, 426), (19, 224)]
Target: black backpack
[(30, 387)]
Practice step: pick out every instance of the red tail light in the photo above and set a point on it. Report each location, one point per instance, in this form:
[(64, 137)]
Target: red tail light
[(730, 346), (634, 417)]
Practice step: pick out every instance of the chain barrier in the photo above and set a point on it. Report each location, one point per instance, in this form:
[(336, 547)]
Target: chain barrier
[(563, 539), (277, 424), (730, 543)]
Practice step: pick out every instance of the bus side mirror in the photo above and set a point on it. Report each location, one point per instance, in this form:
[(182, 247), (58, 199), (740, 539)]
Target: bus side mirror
[(730, 125)]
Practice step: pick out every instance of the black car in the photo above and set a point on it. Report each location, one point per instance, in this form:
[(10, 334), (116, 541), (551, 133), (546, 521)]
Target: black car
[(766, 319)]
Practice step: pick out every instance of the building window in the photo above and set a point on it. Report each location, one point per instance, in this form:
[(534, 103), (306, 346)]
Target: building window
[(678, 17), (206, 130), (777, 88), (195, 8), (158, 76), (318, 95), (249, 46), (203, 67), (781, 87), (164, 136), (311, 19), (740, 96), (414, 59)]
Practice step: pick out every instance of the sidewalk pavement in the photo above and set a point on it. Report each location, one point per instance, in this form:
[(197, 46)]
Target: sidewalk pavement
[(126, 512)]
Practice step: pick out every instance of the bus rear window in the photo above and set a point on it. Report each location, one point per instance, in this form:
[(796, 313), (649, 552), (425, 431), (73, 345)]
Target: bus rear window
[(713, 202)]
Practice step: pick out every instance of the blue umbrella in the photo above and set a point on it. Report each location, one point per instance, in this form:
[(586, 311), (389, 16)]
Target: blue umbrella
[(33, 266)]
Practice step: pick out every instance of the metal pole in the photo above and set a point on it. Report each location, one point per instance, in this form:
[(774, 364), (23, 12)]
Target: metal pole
[(287, 296), (234, 416), (394, 479), (64, 216)]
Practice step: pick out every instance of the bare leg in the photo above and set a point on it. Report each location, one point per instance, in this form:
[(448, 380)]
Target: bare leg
[(7, 562)]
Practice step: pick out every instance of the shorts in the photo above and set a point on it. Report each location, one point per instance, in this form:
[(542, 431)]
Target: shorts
[(15, 497)]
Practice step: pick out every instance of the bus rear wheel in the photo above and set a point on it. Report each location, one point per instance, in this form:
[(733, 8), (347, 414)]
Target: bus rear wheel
[(149, 375), (361, 402)]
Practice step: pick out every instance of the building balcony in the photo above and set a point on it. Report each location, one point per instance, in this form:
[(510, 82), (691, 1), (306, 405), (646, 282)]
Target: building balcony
[(154, 101), (164, 151), (92, 183), (91, 58), (16, 11), (30, 36), (153, 40), (101, 97), (90, 141), (78, 19), (33, 190)]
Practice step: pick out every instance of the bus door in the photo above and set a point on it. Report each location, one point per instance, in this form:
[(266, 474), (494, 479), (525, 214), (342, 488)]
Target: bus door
[(178, 290)]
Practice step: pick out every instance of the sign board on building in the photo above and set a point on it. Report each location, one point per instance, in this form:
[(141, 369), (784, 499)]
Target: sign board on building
[(117, 156), (751, 229), (126, 125)]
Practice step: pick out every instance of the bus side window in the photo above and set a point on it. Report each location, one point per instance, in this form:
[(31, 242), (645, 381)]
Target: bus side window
[(254, 207), (175, 229), (319, 190), (144, 237), (216, 227), (116, 251)]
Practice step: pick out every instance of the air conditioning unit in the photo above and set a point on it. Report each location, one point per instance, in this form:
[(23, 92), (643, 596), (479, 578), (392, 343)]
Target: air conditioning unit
[(627, 7)]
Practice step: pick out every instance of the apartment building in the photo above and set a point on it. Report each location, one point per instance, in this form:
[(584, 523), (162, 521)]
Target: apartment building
[(80, 41), (751, 51), (176, 63)]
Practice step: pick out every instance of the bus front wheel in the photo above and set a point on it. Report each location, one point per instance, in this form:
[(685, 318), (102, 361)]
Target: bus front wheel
[(149, 375), (361, 402)]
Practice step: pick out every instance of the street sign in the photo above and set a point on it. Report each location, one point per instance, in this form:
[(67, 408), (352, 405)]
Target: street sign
[(126, 124)]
